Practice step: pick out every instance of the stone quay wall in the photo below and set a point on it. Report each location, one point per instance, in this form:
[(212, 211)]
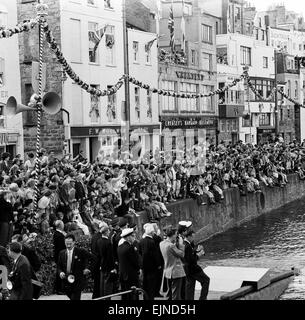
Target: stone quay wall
[(209, 220)]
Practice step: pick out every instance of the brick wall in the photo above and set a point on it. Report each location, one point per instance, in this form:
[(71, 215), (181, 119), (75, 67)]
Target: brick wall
[(52, 130)]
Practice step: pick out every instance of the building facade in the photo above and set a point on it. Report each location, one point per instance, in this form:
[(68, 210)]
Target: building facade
[(11, 131), (189, 122), (257, 123)]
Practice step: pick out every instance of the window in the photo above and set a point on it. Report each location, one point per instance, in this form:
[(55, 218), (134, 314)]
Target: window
[(149, 104), (137, 101), (94, 106), (281, 114), (207, 102), (245, 55), (147, 54), (248, 28), (265, 62), (135, 48), (190, 105), (288, 87), (288, 113), (2, 72), (169, 103), (75, 40), (260, 22), (264, 88), (296, 89), (300, 47), (222, 126), (194, 60), (77, 103), (222, 55), (2, 124), (264, 119), (108, 4), (234, 124), (263, 35), (110, 45), (256, 34), (111, 106), (217, 27), (3, 18), (206, 33), (93, 42), (206, 61)]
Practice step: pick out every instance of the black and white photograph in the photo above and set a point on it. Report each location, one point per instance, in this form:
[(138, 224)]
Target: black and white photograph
[(152, 150)]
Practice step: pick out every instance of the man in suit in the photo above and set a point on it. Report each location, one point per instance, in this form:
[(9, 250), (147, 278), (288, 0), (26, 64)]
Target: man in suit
[(129, 263), (106, 262), (172, 249), (149, 252), (96, 272), (59, 245), (192, 269), (72, 268), (21, 275)]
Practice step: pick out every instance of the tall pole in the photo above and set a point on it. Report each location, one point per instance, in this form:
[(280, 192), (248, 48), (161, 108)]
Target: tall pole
[(276, 96), (126, 72)]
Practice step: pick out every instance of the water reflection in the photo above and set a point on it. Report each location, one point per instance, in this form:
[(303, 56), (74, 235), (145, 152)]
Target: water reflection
[(275, 241)]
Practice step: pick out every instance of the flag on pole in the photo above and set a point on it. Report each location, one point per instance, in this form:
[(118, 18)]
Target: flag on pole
[(229, 28), (183, 29), (158, 16), (171, 27), (96, 37), (149, 44)]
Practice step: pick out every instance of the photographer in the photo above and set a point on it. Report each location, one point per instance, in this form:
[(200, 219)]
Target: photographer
[(172, 249)]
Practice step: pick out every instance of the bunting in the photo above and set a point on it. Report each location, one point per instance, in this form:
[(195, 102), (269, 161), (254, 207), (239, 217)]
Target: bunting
[(149, 44), (96, 37)]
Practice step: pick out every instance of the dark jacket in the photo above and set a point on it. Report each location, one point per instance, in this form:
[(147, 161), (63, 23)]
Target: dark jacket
[(59, 244), (22, 280), (95, 252), (32, 256), (80, 262), (4, 259), (150, 256), (190, 259), (79, 190), (6, 211), (105, 255), (128, 263)]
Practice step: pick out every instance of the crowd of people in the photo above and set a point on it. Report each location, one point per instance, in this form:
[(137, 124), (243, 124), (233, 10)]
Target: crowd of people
[(77, 197)]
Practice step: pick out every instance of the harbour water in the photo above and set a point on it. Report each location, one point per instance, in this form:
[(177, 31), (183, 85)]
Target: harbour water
[(275, 240)]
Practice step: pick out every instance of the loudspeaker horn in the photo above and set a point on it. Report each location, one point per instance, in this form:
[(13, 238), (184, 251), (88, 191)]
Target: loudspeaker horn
[(51, 103), (12, 107)]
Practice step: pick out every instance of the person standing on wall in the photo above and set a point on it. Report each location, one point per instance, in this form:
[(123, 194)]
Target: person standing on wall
[(72, 268)]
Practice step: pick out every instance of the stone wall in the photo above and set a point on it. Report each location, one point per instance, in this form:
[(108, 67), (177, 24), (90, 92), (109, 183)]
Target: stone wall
[(209, 220), (52, 129)]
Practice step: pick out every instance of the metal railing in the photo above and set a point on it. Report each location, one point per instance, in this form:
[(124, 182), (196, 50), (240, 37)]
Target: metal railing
[(133, 290)]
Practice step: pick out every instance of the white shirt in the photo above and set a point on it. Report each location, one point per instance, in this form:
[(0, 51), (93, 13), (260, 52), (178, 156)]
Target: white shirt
[(69, 259)]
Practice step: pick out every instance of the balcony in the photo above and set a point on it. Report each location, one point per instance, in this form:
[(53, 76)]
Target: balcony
[(231, 104)]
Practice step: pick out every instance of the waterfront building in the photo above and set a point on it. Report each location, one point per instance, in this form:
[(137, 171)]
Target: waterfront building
[(257, 124), (11, 131), (188, 122)]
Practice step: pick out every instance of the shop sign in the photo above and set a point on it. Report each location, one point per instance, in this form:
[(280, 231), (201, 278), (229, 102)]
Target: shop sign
[(189, 75), (265, 131), (12, 138), (198, 122)]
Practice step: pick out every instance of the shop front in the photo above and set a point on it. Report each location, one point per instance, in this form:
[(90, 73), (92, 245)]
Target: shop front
[(265, 135), (182, 136), (106, 142)]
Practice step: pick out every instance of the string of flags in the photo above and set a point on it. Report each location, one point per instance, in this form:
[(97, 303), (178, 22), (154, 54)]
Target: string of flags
[(25, 26), (30, 24)]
